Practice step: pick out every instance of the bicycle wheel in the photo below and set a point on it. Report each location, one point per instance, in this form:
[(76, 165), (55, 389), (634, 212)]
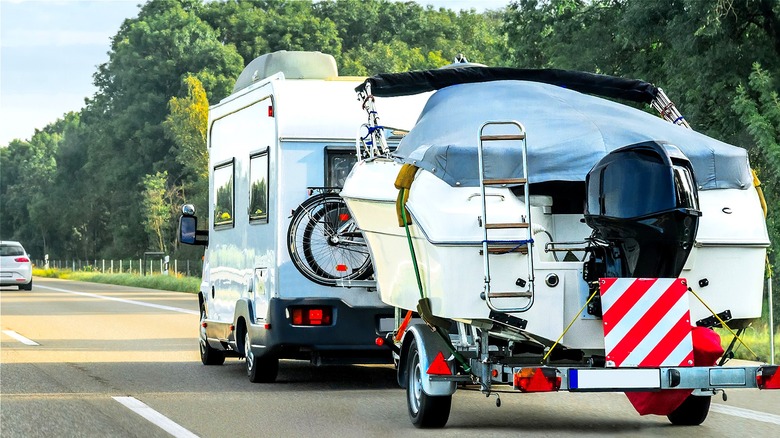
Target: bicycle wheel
[(325, 243)]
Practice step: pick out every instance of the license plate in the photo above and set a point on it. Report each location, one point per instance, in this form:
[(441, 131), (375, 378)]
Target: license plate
[(612, 378)]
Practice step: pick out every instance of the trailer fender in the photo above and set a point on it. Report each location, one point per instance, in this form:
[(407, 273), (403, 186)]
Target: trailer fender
[(429, 345)]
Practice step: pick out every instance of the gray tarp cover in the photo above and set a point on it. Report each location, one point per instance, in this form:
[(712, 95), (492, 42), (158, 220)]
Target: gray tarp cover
[(567, 133)]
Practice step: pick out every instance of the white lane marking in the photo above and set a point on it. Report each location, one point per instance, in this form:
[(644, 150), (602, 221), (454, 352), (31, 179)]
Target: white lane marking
[(745, 413), (155, 417), (20, 338), (137, 303)]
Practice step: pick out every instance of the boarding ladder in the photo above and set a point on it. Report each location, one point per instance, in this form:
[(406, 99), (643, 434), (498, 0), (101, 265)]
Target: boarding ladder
[(524, 245)]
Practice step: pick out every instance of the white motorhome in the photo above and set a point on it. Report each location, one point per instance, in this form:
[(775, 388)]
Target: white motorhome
[(286, 273)]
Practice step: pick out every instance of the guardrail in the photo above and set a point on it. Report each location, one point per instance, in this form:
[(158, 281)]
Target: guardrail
[(139, 266)]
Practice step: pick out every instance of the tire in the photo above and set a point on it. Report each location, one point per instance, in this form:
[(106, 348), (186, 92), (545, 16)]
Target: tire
[(425, 411), (27, 286), (692, 412), (324, 242), (259, 369), (208, 355)]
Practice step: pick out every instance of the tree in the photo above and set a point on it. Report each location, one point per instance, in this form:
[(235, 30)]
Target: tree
[(27, 178), (150, 57), (758, 106), (186, 124)]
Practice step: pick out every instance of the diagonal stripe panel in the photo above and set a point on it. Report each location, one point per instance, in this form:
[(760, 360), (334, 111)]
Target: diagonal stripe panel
[(666, 346), (652, 323), (622, 323), (625, 300), (646, 322)]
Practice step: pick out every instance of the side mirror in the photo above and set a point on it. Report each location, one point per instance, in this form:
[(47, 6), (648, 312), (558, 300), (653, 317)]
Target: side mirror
[(188, 228)]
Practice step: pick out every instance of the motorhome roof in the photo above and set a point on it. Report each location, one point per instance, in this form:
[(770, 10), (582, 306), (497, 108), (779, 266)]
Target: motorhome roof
[(294, 65), (320, 109)]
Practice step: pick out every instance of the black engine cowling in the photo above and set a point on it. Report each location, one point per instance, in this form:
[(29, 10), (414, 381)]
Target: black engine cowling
[(642, 201)]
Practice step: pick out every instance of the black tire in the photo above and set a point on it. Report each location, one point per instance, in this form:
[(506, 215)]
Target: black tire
[(27, 286), (259, 369), (692, 412), (208, 355), (324, 242), (425, 411)]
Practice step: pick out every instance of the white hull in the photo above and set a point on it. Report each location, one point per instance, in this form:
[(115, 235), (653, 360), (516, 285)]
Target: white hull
[(447, 241)]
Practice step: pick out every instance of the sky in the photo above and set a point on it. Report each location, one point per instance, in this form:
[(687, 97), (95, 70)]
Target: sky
[(50, 49)]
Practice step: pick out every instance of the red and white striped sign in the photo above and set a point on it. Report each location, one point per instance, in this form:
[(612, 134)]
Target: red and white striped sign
[(647, 322)]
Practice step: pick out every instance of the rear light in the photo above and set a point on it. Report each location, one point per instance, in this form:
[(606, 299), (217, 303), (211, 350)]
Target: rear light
[(767, 377), (309, 315), (540, 379), (22, 260), (439, 366)]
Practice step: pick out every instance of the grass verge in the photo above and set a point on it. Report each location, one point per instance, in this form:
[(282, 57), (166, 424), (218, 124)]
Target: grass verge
[(176, 283), (757, 338)]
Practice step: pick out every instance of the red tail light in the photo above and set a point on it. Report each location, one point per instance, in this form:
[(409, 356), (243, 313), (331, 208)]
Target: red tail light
[(541, 379), (22, 260), (768, 377), (439, 366), (307, 315)]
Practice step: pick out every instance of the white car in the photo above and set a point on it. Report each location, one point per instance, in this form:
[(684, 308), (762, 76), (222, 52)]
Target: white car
[(15, 265)]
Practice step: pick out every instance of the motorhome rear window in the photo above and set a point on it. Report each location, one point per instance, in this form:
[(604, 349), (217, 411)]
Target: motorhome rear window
[(223, 195), (338, 164), (258, 188)]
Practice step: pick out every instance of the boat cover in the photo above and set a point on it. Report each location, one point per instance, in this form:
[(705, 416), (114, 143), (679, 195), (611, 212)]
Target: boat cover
[(568, 132)]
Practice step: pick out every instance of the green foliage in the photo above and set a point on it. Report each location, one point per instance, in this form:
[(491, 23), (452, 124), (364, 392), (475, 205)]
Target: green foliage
[(758, 106), (77, 186), (176, 283), (157, 202), (757, 338)]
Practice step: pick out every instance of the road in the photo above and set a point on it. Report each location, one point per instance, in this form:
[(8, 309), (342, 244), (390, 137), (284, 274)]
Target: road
[(106, 355)]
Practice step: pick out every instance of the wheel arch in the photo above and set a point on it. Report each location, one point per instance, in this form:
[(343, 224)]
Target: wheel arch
[(429, 344)]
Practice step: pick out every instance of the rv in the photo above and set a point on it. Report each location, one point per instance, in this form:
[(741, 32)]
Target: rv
[(286, 273)]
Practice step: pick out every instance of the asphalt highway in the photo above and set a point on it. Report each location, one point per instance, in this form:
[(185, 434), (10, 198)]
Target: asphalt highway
[(90, 360)]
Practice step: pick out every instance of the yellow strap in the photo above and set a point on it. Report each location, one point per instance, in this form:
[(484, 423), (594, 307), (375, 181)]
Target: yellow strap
[(405, 176), (569, 326), (722, 322), (404, 180), (757, 184)]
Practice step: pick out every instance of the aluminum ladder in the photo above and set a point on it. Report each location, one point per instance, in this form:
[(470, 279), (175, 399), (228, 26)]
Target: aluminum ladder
[(523, 245)]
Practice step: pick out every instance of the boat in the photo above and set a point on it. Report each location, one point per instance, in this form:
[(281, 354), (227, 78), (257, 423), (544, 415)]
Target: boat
[(539, 262)]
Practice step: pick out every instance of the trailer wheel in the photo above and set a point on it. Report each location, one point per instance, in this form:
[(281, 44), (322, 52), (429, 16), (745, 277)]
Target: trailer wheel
[(208, 355), (259, 369), (425, 411), (692, 412)]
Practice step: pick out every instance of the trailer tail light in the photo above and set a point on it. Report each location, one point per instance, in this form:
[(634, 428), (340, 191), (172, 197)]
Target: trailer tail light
[(439, 366), (312, 316), (270, 110), (22, 260), (540, 379), (768, 377)]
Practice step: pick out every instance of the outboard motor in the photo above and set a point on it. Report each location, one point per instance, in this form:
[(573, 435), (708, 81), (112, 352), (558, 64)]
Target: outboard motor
[(643, 206)]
